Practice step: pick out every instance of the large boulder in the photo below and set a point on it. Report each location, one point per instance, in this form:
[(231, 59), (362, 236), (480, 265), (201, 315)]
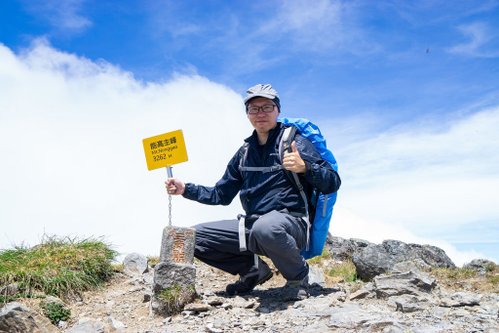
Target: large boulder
[(482, 266), (343, 249), (17, 318), (374, 260), (135, 264)]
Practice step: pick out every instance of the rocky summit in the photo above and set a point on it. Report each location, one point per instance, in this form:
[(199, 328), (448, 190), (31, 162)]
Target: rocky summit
[(398, 294)]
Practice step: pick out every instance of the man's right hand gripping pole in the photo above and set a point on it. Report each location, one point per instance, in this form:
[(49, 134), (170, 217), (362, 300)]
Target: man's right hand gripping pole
[(174, 186)]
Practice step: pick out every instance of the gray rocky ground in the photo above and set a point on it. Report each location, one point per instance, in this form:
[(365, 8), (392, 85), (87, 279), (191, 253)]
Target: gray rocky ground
[(404, 300)]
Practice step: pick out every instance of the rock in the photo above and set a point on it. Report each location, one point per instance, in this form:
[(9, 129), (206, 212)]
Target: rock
[(459, 299), (407, 303), (316, 275), (210, 328), (409, 283), (414, 265), (9, 290), (62, 324), (216, 301), (481, 266), (53, 299), (116, 325), (431, 255), (17, 318), (374, 260), (87, 325), (177, 245), (226, 306), (360, 294), (174, 287), (243, 303), (135, 263), (146, 298), (197, 307), (354, 318), (343, 249), (168, 274)]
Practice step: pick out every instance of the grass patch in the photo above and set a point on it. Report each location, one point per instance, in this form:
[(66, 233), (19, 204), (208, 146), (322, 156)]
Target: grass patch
[(343, 272), (152, 261), (494, 280), (62, 267), (176, 297), (319, 259), (459, 278), (336, 272), (118, 267), (455, 274)]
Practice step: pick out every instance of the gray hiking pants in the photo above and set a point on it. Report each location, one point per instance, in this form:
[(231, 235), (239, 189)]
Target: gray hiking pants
[(276, 235)]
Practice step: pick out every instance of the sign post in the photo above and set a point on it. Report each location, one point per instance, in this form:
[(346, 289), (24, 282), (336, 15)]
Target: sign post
[(177, 245), (164, 150)]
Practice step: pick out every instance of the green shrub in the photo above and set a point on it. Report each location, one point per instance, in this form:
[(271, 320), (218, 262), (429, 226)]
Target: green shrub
[(56, 312)]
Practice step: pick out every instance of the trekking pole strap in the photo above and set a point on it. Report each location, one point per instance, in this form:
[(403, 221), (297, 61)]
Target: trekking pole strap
[(242, 232), (307, 222)]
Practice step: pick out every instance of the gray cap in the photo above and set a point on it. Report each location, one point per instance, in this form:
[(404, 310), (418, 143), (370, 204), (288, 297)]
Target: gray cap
[(262, 90)]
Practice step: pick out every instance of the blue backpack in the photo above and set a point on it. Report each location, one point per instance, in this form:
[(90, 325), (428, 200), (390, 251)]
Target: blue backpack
[(320, 206)]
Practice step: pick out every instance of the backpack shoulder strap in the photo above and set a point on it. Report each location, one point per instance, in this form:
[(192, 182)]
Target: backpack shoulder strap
[(285, 145), (243, 155), (243, 158)]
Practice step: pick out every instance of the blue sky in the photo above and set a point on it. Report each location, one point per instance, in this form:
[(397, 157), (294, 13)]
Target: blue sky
[(407, 94)]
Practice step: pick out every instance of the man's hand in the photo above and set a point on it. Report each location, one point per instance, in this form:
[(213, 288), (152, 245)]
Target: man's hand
[(292, 161), (174, 186)]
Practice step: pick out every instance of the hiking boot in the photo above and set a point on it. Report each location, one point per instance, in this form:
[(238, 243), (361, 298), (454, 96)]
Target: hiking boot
[(296, 290), (248, 282)]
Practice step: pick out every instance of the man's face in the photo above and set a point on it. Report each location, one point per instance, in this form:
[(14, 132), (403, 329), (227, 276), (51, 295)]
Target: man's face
[(262, 121)]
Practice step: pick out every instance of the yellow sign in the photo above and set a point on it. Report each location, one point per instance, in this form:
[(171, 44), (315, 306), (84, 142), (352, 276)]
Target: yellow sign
[(165, 150)]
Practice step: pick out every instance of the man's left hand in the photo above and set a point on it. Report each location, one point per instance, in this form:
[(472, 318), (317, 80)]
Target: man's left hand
[(292, 161)]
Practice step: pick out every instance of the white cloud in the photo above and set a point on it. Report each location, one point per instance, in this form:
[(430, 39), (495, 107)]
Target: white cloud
[(325, 25), (166, 17), (424, 179), (64, 16), (300, 15), (479, 37), (71, 138)]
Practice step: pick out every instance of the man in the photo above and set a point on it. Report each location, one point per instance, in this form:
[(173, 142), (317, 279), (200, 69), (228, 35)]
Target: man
[(275, 225)]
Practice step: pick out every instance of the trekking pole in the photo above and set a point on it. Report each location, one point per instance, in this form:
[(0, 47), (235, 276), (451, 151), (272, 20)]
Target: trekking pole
[(169, 173)]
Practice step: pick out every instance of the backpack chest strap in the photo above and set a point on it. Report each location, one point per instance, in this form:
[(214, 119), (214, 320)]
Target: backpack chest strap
[(272, 168)]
